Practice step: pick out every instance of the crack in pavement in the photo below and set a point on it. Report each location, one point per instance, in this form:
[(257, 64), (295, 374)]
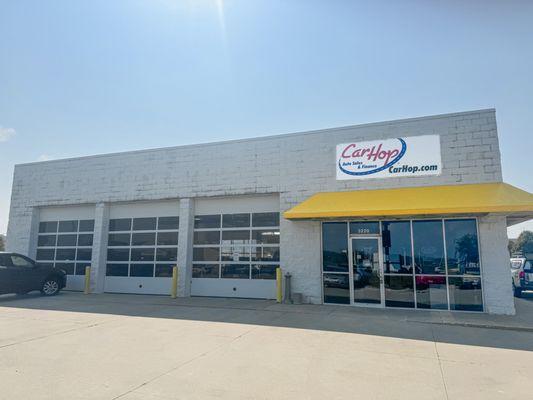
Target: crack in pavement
[(440, 364), (56, 333)]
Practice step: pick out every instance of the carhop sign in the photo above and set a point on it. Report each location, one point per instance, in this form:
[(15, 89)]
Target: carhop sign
[(389, 158)]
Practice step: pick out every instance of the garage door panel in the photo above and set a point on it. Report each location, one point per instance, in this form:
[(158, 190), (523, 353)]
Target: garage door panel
[(141, 253), (75, 282), (138, 285), (254, 289), (235, 254), (66, 243)]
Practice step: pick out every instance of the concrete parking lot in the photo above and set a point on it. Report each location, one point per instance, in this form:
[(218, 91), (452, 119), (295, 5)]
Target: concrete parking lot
[(147, 347)]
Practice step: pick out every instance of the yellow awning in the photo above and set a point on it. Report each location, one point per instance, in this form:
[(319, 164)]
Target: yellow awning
[(426, 200)]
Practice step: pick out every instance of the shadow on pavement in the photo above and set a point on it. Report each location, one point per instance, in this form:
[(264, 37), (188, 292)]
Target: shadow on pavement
[(444, 327)]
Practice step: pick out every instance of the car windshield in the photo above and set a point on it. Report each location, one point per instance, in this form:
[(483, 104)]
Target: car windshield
[(515, 264), (21, 262)]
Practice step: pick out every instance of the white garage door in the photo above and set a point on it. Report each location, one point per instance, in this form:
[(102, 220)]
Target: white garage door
[(65, 240), (141, 250), (236, 254)]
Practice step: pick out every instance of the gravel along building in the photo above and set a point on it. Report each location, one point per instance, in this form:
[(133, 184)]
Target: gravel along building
[(410, 213)]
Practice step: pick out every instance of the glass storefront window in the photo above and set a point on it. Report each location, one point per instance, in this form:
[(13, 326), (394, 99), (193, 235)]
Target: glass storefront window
[(336, 288), (465, 293), (428, 243), (461, 247), (396, 239), (366, 274), (431, 292), (399, 291), (364, 228), (335, 247), (428, 264)]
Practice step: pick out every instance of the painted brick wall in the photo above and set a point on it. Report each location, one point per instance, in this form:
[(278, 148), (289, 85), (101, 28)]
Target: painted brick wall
[(495, 262), (294, 165)]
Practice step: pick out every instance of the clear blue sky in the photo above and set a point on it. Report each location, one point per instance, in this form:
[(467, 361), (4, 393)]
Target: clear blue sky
[(86, 77)]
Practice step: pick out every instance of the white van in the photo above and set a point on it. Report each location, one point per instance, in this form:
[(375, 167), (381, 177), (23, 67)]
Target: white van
[(522, 275)]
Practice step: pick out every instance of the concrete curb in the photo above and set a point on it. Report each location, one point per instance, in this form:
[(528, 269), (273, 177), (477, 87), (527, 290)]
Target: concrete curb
[(474, 325)]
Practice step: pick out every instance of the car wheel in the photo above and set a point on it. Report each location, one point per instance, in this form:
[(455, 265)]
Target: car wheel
[(517, 291), (50, 287)]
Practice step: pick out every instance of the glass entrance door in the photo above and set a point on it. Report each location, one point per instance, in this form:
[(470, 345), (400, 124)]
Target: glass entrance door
[(366, 271)]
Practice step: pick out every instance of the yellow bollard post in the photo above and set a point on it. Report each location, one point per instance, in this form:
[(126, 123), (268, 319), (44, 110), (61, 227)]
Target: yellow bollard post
[(279, 296), (174, 289), (87, 289)]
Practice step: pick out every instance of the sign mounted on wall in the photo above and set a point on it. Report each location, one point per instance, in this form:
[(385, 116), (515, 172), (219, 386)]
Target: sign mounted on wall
[(389, 158)]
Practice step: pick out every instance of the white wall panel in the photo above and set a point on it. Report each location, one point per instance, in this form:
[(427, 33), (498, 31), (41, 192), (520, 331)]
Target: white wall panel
[(236, 204), (67, 213), (167, 208)]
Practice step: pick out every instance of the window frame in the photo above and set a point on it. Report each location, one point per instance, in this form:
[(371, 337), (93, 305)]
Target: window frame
[(249, 247), (75, 247), (413, 274), (155, 246)]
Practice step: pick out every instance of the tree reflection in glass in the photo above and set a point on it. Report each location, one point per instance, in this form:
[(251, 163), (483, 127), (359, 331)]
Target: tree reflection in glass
[(462, 247)]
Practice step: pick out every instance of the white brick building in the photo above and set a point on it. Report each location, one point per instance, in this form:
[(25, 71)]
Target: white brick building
[(216, 210)]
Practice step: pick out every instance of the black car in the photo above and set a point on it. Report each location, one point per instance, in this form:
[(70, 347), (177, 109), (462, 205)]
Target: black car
[(20, 274)]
